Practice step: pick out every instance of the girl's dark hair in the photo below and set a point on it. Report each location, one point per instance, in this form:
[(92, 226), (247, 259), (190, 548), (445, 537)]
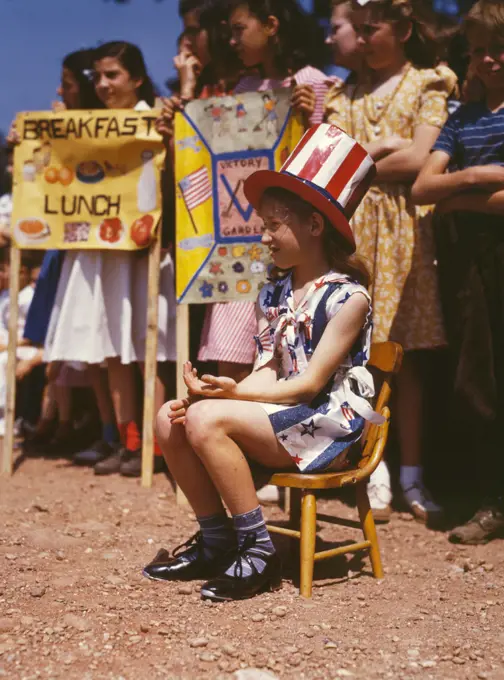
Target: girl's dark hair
[(426, 45), (224, 67), (213, 19), (131, 58), (335, 248), (186, 6), (81, 66), (300, 40)]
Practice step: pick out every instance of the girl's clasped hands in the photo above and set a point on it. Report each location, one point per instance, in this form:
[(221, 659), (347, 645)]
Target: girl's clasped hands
[(208, 386)]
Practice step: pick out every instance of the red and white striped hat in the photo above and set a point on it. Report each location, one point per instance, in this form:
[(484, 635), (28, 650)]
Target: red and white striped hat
[(327, 169)]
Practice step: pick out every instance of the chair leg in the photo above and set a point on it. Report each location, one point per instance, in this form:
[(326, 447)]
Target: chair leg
[(295, 517), (369, 529), (308, 535)]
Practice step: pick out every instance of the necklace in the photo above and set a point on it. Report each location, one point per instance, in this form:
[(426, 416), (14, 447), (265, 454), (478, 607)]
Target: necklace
[(384, 111)]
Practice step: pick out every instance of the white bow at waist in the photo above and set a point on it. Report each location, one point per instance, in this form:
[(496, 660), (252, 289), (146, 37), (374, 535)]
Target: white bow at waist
[(365, 386)]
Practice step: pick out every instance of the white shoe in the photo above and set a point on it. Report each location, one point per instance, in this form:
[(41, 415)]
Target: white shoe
[(269, 495), (380, 493)]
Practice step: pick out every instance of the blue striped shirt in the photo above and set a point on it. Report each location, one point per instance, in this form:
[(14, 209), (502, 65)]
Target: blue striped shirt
[(473, 135)]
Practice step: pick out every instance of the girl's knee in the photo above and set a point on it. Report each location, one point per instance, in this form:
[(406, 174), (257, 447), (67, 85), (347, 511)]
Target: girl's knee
[(162, 425), (203, 419)]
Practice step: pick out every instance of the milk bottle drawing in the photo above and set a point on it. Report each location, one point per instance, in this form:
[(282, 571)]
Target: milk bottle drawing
[(147, 187)]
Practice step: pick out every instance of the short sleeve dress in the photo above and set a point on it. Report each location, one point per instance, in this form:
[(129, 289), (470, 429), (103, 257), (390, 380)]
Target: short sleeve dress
[(394, 236), (318, 433)]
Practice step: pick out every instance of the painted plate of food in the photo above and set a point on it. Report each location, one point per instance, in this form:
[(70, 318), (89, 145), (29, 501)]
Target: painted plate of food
[(141, 230), (110, 232), (90, 172), (32, 230)]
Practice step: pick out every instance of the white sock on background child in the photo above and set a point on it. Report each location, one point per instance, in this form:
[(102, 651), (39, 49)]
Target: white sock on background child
[(380, 488), (415, 493)]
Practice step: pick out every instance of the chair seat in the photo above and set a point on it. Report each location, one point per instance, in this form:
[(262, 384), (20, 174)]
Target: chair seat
[(326, 480)]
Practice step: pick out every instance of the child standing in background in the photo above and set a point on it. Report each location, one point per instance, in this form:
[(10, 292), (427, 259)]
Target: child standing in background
[(279, 41), (342, 40), (113, 286), (396, 112), (471, 147)]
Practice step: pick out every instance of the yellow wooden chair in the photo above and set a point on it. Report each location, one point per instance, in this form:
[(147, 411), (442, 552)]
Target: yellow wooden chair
[(387, 358)]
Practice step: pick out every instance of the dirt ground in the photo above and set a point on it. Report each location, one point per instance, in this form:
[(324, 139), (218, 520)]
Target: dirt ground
[(73, 603)]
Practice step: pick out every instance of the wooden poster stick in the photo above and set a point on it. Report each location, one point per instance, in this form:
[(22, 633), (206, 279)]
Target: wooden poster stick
[(182, 357), (150, 371), (7, 452)]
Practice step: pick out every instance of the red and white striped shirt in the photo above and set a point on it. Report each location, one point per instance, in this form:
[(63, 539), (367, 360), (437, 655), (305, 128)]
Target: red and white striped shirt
[(306, 76)]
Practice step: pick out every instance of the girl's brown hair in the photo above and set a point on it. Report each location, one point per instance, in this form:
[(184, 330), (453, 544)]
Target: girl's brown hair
[(488, 15), (131, 58), (299, 41), (335, 248), (425, 45)]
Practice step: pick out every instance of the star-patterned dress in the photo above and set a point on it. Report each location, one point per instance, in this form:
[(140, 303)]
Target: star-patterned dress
[(316, 434)]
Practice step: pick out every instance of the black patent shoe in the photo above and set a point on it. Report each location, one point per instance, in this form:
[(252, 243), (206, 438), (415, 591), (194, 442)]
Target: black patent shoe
[(188, 565), (238, 587)]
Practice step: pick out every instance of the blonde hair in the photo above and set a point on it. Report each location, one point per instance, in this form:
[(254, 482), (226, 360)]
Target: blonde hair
[(488, 15), (424, 46)]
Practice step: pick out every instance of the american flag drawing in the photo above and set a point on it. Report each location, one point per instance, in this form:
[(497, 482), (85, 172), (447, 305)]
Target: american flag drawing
[(196, 188)]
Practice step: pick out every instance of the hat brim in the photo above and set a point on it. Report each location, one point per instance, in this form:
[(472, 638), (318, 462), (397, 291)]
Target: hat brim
[(257, 183)]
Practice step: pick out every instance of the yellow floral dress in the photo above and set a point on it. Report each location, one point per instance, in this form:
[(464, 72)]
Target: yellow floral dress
[(393, 236)]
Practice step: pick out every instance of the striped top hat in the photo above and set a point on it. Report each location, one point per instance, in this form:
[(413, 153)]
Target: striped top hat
[(327, 169)]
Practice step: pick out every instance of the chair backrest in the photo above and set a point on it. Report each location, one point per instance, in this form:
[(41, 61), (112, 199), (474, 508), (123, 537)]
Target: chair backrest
[(386, 357)]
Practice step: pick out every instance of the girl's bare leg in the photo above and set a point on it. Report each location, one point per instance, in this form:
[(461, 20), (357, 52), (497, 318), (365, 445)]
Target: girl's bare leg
[(63, 397), (185, 466), (49, 405), (220, 432), (206, 456), (98, 379), (123, 390), (409, 409)]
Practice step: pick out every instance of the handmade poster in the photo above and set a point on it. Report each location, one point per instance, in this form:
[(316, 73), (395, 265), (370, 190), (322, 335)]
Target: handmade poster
[(87, 180), (218, 143)]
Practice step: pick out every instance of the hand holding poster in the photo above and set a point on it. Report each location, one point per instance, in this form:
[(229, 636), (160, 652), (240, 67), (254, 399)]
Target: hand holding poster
[(218, 144), (87, 180)]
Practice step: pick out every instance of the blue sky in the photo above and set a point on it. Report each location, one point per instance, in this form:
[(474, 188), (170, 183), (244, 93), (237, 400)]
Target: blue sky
[(36, 34)]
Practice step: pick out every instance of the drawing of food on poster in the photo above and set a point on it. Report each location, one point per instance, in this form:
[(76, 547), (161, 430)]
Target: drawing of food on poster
[(87, 180), (218, 144)]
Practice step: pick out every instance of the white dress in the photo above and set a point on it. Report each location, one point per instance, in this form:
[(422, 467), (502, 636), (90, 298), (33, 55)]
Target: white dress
[(23, 352), (316, 434), (100, 311)]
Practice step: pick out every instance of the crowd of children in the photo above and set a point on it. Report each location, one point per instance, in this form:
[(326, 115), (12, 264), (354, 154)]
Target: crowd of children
[(429, 122)]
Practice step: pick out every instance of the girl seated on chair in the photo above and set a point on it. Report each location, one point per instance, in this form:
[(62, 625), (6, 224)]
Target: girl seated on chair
[(306, 400)]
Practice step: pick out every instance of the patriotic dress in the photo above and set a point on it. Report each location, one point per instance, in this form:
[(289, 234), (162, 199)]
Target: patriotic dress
[(316, 434), (230, 326)]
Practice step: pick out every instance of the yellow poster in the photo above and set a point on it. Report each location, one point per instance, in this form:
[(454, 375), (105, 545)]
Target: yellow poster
[(218, 143), (87, 180)]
